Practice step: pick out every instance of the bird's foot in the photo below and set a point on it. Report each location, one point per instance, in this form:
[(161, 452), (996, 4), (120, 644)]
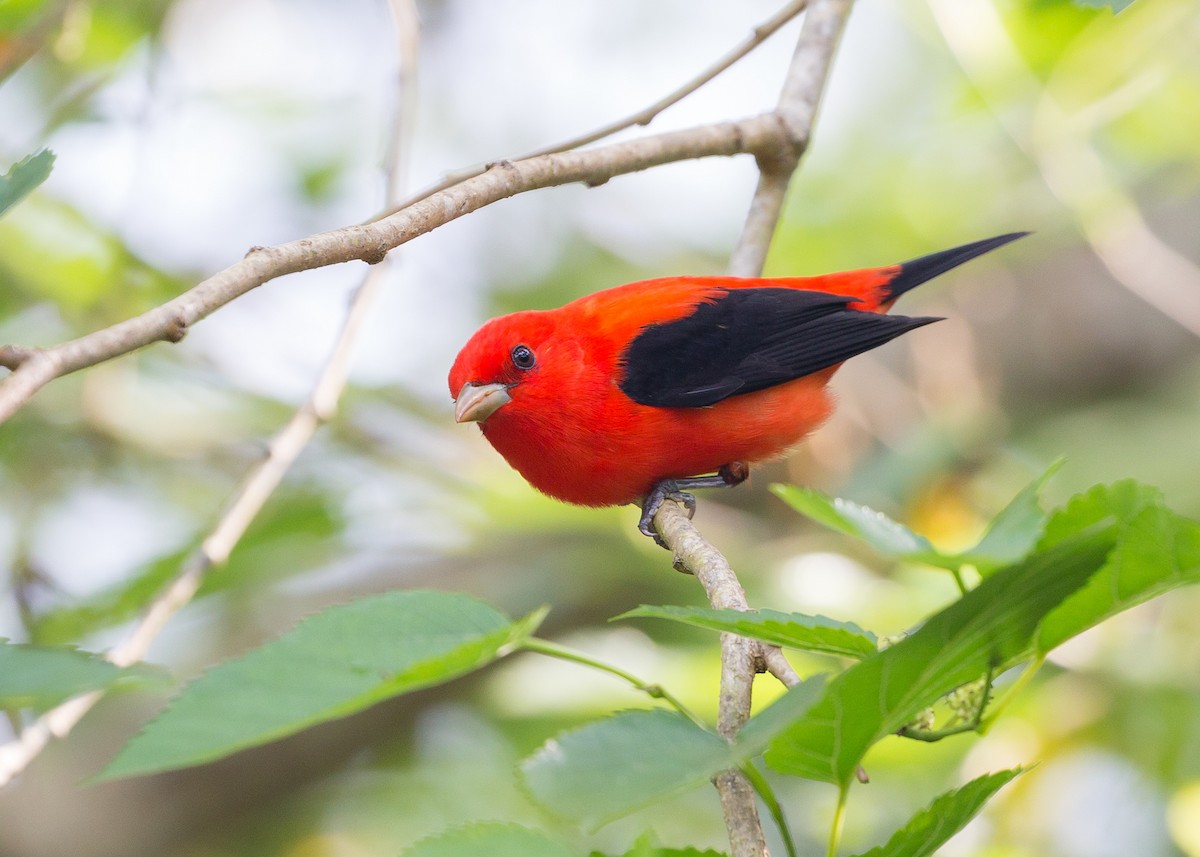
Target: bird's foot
[(734, 473), (668, 489)]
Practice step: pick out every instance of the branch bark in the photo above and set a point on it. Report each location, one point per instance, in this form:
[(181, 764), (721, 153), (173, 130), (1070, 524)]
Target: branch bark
[(741, 658), (34, 368), (261, 482), (776, 139), (642, 117), (796, 113)]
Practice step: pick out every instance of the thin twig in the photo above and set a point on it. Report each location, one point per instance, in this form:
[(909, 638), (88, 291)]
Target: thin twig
[(779, 666), (262, 481), (642, 117), (34, 368), (654, 691)]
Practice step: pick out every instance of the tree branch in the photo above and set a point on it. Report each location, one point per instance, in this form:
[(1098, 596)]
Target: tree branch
[(34, 368), (642, 117), (742, 658), (796, 113), (776, 139), (260, 483)]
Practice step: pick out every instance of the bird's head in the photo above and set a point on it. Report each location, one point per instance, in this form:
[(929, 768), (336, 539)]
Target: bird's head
[(499, 364)]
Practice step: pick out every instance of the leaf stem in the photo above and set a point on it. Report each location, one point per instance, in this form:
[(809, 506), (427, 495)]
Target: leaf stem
[(839, 820), (654, 691), (767, 794), (1011, 692)]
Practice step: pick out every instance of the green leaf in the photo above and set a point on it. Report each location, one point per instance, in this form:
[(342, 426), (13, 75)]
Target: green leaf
[(1015, 531), (992, 626), (332, 664), (110, 606), (794, 630), (1157, 550), (611, 767), (933, 826), (1012, 534), (23, 177), (875, 528), (489, 839), (41, 677)]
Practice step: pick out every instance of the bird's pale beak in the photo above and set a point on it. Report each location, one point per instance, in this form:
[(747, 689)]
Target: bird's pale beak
[(477, 402)]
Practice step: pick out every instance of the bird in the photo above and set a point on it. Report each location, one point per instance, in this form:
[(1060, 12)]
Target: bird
[(646, 391)]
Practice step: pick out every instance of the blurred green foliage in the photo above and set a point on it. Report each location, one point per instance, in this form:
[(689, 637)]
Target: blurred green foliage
[(109, 479)]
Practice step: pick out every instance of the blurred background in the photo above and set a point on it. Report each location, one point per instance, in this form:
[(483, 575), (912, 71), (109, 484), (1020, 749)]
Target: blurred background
[(188, 131)]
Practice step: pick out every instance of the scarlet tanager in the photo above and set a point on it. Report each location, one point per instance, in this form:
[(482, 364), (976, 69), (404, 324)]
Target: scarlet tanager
[(633, 392)]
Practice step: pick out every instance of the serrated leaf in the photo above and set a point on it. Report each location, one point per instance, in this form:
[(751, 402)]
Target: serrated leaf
[(875, 528), (1157, 550), (992, 626), (330, 665), (611, 767), (933, 826), (41, 676), (489, 839), (1012, 534), (23, 177), (794, 630)]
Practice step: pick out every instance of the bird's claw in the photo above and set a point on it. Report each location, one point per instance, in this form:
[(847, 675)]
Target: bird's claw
[(665, 490), (733, 473)]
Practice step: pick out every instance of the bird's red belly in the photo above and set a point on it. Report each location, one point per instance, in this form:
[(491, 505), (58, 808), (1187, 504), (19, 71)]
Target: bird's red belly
[(619, 456)]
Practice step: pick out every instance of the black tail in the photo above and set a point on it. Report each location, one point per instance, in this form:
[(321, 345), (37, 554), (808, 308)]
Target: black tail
[(917, 271)]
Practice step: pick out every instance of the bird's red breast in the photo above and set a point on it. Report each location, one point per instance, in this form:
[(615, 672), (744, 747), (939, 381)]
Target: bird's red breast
[(595, 402)]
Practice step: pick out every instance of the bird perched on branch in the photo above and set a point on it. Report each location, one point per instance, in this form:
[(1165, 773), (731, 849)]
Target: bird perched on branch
[(647, 390)]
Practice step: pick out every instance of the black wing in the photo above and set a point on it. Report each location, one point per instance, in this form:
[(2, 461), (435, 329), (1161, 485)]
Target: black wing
[(745, 340)]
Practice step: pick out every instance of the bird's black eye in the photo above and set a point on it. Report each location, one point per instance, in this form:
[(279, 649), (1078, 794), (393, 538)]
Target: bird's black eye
[(522, 357)]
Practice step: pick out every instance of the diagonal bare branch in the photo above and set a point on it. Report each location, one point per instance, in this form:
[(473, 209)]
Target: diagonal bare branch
[(642, 117), (263, 479), (370, 242), (34, 368)]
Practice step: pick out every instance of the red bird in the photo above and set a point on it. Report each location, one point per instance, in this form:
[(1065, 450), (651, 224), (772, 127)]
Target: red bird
[(631, 393)]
